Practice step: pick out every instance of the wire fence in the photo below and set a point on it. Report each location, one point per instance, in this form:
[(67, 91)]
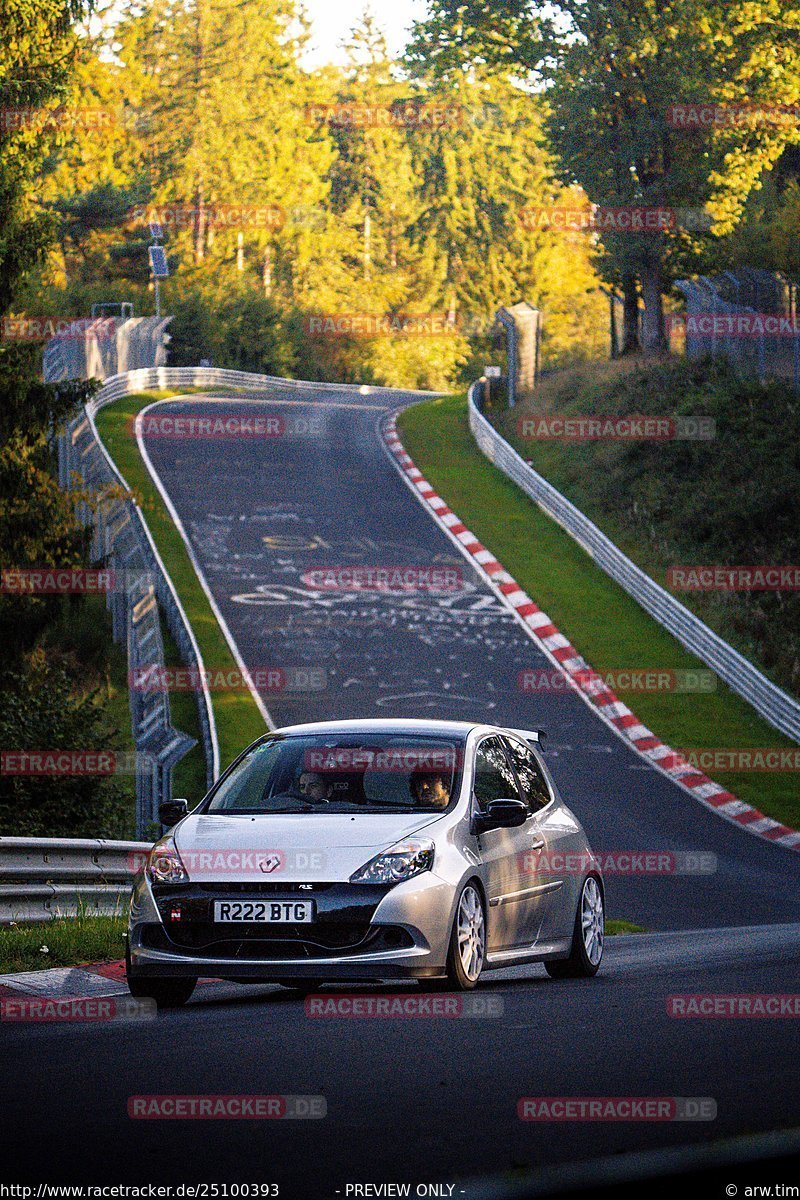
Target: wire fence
[(749, 317), (105, 347)]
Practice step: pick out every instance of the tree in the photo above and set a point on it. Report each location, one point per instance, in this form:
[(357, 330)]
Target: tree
[(612, 71)]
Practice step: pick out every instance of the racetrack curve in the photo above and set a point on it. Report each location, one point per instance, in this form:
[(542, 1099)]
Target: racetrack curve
[(424, 1100), (260, 513)]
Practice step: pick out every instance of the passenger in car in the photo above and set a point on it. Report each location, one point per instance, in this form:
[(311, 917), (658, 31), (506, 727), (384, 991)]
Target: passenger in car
[(429, 788), (313, 787)]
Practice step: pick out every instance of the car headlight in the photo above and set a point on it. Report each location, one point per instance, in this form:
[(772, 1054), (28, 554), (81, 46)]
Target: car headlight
[(164, 864), (403, 861)]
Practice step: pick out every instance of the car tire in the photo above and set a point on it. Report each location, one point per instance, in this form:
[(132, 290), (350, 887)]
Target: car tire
[(588, 936), (467, 952), (167, 993)]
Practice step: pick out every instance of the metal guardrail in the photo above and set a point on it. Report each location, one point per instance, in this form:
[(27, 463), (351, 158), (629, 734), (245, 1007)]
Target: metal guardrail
[(771, 702), (44, 878), (123, 540)]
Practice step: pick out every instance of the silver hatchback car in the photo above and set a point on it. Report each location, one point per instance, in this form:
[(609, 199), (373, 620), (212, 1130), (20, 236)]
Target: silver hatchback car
[(369, 850)]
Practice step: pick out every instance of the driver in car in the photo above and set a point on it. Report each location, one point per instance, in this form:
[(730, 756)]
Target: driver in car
[(430, 789), (312, 786)]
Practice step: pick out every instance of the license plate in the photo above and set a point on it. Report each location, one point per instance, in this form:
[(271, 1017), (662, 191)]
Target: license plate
[(270, 912)]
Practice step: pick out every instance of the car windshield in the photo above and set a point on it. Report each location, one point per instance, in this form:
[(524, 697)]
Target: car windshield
[(358, 773)]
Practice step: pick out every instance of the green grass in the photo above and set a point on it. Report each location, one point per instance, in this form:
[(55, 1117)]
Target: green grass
[(653, 500), (62, 942), (237, 717), (605, 624), (615, 928)]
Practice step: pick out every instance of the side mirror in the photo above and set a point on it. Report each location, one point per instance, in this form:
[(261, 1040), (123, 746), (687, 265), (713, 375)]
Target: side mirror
[(171, 811), (502, 814)]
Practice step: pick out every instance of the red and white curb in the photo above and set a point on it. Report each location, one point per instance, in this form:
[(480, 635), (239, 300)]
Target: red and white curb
[(587, 683), (94, 980), (88, 982)]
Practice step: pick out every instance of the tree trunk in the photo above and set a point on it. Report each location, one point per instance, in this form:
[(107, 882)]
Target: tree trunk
[(199, 232), (654, 340), (367, 245), (266, 274), (630, 316)]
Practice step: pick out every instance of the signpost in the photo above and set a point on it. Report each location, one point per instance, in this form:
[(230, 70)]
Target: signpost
[(159, 268)]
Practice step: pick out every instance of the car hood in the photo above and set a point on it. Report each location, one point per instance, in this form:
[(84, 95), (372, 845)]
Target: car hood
[(288, 848)]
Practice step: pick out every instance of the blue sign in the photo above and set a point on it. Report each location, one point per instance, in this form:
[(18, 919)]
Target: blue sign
[(158, 262)]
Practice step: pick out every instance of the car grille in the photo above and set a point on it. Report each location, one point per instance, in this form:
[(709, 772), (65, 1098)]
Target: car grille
[(263, 889), (286, 942)]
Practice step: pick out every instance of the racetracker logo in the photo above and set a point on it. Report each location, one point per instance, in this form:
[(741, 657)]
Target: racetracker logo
[(25, 581), (618, 862), (545, 427), (55, 120), (742, 1004), (403, 325), (45, 1008), (764, 758), (623, 679), (400, 115), (622, 218), (226, 1108), (617, 1108), (73, 762), (39, 329), (214, 862), (181, 215), (393, 579), (401, 1006), (718, 578), (400, 759), (228, 426), (732, 325), (275, 680), (731, 116)]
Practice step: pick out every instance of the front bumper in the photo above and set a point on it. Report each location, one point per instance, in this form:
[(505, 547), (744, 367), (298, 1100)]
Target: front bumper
[(360, 932)]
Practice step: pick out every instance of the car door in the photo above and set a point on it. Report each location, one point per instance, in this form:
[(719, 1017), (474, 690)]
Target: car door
[(549, 911), (501, 850)]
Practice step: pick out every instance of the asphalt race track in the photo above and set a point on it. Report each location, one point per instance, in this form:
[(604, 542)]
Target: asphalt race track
[(423, 1100)]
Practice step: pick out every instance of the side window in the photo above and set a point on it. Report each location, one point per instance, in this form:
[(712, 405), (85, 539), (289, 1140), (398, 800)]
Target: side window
[(494, 779), (533, 782)]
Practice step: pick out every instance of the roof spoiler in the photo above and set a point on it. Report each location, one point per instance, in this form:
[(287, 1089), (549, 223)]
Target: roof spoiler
[(537, 736)]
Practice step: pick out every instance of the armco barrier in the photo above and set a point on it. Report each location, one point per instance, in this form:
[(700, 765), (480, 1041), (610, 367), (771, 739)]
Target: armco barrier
[(44, 878), (774, 705), (122, 538)]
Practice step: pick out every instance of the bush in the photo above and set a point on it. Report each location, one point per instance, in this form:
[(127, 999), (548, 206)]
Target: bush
[(41, 711)]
